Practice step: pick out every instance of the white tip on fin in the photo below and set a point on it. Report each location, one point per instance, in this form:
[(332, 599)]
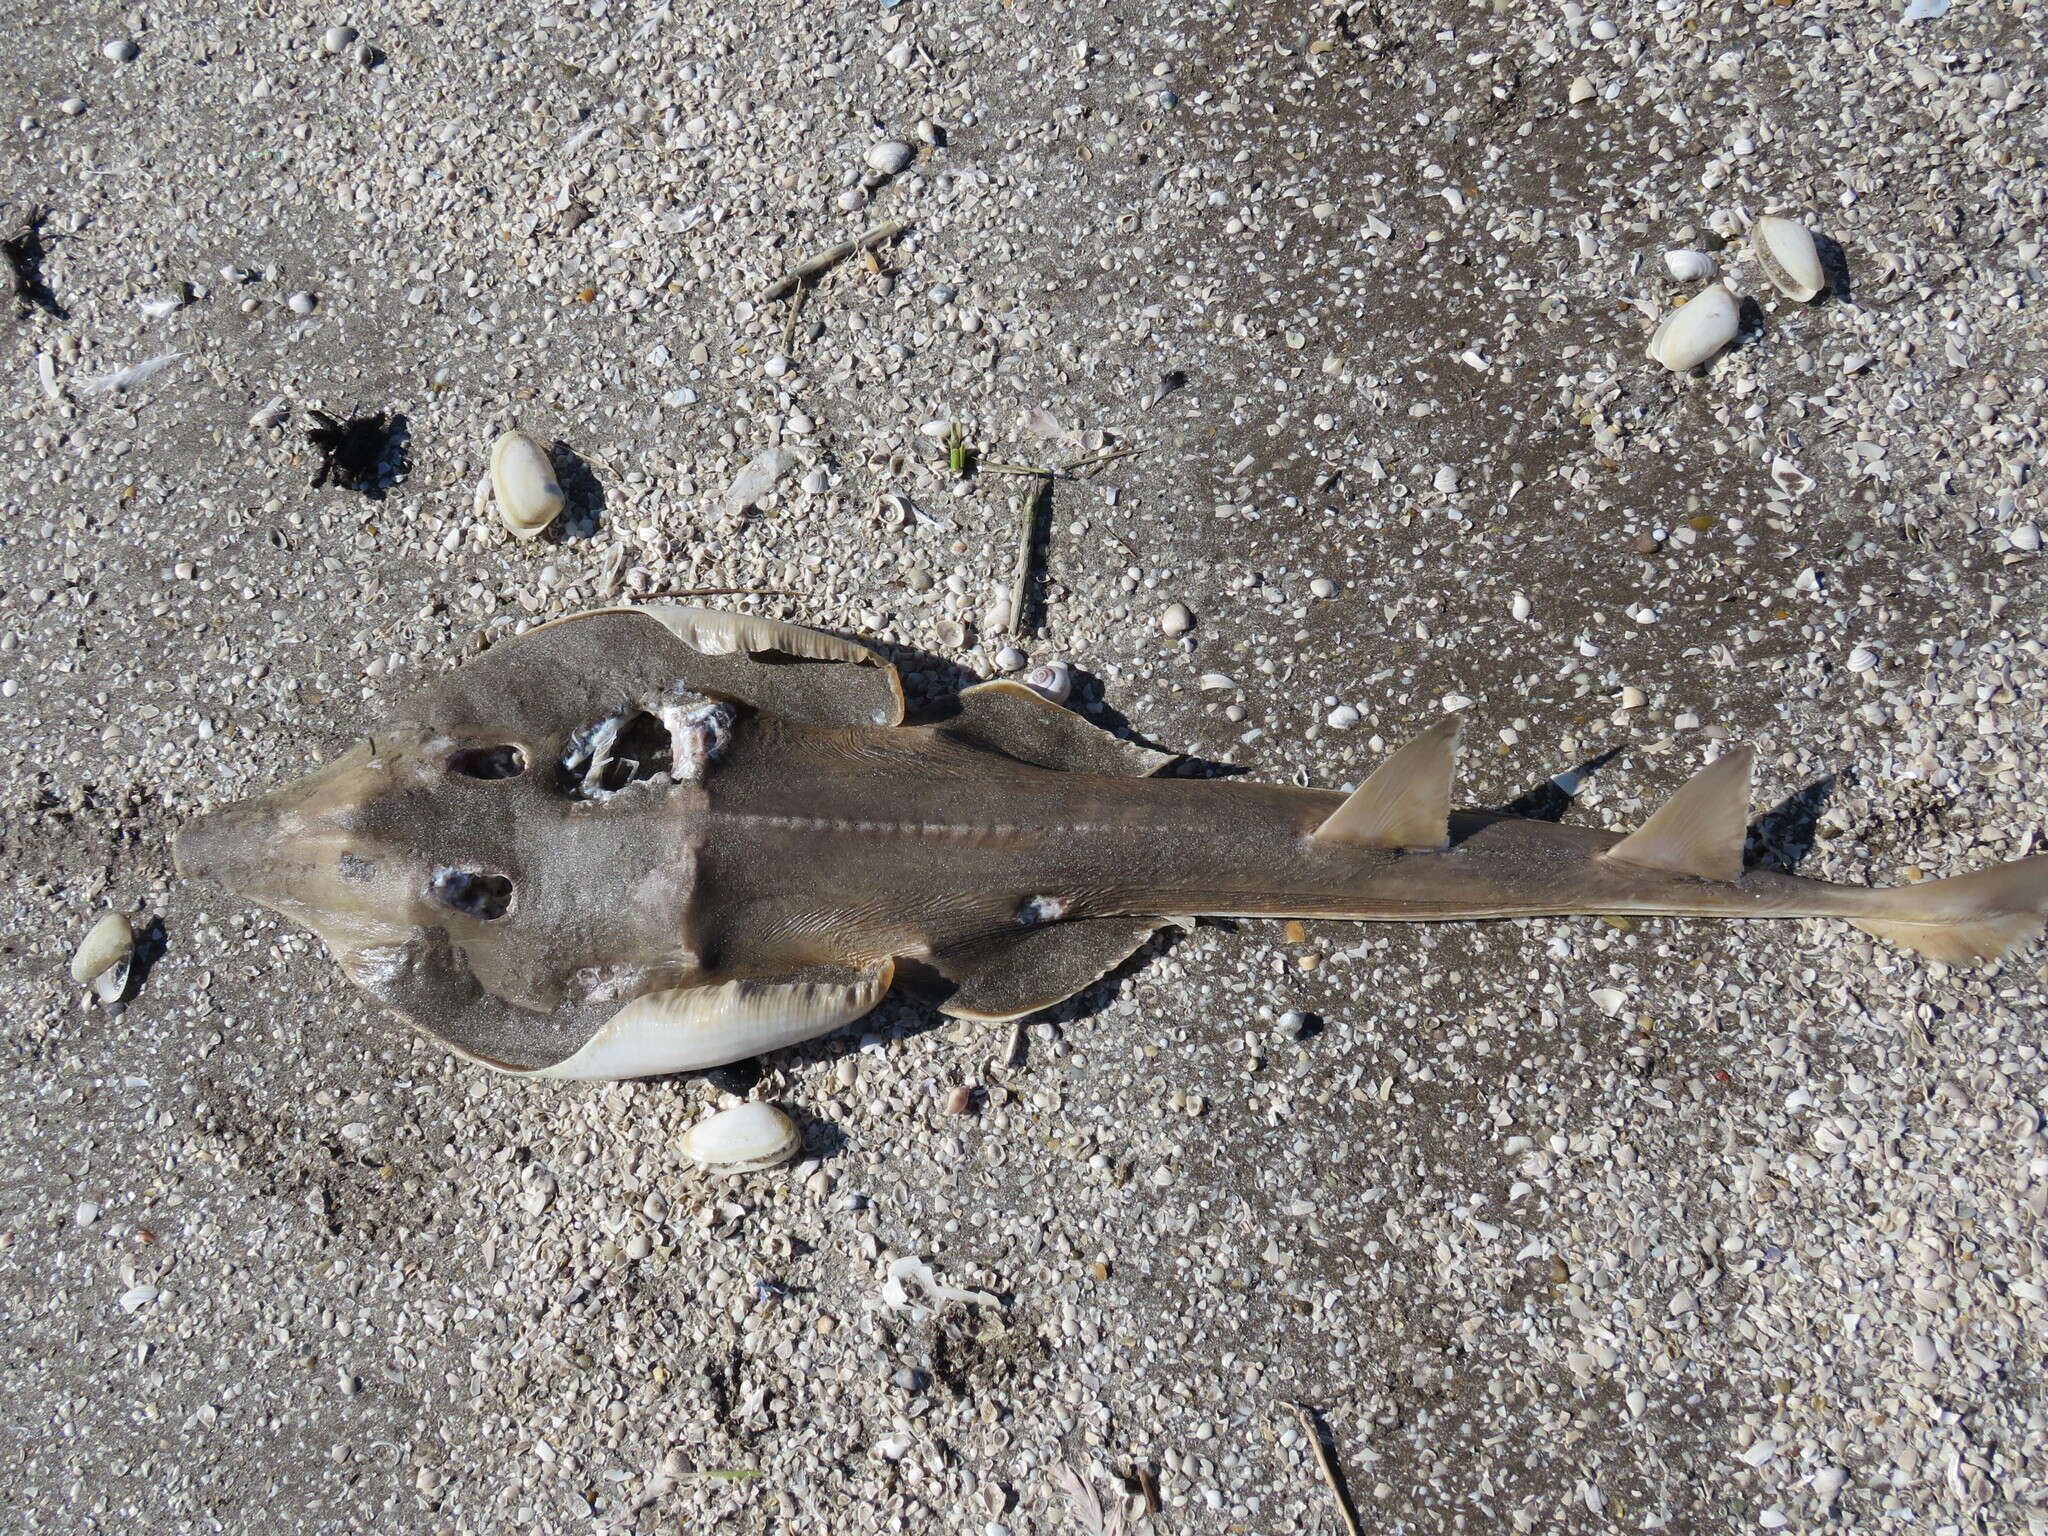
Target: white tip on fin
[(1407, 801), (1699, 831), (689, 1028)]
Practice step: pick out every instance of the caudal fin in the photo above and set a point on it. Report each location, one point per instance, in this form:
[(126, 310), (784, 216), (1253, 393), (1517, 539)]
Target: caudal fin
[(1970, 917)]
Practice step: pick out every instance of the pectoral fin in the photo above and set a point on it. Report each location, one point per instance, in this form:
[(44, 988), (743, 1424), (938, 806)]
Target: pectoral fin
[(1011, 975), (1700, 830), (1407, 802), (686, 1029), (1009, 718), (781, 669)]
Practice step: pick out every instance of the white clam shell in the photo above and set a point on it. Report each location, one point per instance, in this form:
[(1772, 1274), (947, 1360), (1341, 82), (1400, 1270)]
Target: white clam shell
[(889, 156), (523, 484), (1689, 266), (1054, 680), (103, 958), (743, 1139), (1785, 250), (1696, 330)]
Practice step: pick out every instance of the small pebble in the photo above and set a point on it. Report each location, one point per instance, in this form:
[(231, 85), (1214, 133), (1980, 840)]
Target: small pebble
[(335, 39), (1177, 619), (71, 106), (302, 303), (1344, 718), (889, 156), (1289, 1025), (960, 1101), (1322, 586), (120, 49), (1010, 659)]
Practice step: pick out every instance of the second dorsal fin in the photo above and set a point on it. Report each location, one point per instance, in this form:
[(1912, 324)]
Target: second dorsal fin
[(1407, 801), (1699, 831)]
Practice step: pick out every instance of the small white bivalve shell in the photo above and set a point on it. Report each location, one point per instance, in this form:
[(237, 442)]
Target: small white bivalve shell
[(1696, 330), (744, 1139), (523, 484)]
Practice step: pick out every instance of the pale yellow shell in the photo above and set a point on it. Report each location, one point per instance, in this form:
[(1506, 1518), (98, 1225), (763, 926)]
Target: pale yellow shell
[(103, 957), (523, 485), (1785, 250), (1696, 330)]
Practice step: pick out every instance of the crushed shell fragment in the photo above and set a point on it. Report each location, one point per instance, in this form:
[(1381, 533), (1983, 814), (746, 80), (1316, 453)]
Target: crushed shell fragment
[(523, 484), (1696, 330), (102, 961), (1785, 251), (745, 1139)]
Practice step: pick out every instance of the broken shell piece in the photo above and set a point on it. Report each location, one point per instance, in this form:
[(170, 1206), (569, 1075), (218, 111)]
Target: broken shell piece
[(1785, 251), (757, 477), (746, 1139), (1054, 681), (1689, 266), (523, 484), (1696, 330), (897, 1297), (103, 960)]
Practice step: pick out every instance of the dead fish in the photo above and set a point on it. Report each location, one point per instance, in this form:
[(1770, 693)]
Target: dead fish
[(660, 839)]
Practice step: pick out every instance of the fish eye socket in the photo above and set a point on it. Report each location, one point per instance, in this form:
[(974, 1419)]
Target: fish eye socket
[(499, 762), (471, 892)]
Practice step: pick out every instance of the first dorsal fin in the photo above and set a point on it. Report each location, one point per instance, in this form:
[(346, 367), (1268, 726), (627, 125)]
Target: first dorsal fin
[(1698, 831), (1407, 801)]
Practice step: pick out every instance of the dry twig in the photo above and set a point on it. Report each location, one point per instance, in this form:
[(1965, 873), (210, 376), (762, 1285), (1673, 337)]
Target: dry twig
[(1027, 544), (831, 256), (1327, 1465)]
